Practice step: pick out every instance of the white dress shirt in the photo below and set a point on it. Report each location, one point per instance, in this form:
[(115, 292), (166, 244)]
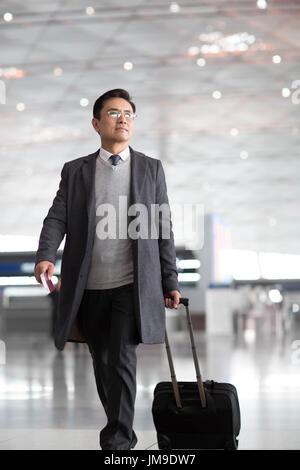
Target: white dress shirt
[(105, 155)]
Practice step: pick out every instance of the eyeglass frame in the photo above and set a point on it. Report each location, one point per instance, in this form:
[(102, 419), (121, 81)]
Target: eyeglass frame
[(119, 114)]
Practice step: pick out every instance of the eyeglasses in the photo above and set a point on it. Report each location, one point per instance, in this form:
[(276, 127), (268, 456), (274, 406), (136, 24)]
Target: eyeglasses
[(117, 114)]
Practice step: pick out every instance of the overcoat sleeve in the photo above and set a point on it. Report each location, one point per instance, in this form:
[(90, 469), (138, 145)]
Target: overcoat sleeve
[(55, 223), (167, 252)]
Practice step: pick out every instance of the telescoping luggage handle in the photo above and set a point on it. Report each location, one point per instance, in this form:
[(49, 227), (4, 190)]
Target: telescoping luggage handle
[(185, 302)]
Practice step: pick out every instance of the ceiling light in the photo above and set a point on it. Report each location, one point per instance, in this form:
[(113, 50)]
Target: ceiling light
[(214, 49), (20, 106), (194, 50), (275, 296), (174, 7), (285, 92), (261, 4), (57, 71), (272, 222), (276, 59), (84, 102), (216, 95), (205, 49), (11, 72), (201, 62), (128, 65), (242, 46), (251, 38), (90, 10), (216, 42), (8, 16), (244, 154)]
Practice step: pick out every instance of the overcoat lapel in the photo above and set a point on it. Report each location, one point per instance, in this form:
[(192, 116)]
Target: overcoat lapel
[(138, 175), (88, 175)]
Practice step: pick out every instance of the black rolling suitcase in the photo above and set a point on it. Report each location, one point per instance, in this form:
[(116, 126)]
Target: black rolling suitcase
[(195, 415)]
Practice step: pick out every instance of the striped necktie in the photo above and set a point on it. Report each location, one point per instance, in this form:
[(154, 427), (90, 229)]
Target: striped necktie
[(115, 159)]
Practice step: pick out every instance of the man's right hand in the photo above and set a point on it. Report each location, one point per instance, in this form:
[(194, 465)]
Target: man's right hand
[(43, 267)]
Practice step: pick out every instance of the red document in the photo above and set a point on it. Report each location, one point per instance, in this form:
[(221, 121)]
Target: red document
[(47, 283)]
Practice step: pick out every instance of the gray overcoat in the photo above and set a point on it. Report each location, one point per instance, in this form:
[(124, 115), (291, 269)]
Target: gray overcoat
[(73, 213)]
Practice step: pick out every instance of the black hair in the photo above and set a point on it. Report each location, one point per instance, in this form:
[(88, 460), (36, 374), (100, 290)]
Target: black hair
[(116, 93)]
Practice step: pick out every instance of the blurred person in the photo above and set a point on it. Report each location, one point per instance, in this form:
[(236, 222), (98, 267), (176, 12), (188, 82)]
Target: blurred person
[(114, 290)]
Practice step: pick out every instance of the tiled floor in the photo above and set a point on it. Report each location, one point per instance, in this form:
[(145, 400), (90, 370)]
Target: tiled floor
[(48, 399)]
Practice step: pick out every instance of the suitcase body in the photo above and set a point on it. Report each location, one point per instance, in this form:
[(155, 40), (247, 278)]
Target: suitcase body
[(195, 415), (216, 426)]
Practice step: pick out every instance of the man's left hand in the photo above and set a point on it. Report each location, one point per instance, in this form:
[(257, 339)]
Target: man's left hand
[(174, 301)]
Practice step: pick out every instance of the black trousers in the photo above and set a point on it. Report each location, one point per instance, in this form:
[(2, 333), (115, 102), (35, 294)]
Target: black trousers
[(108, 322)]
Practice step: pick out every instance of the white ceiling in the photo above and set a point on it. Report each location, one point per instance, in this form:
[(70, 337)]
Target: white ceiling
[(179, 121)]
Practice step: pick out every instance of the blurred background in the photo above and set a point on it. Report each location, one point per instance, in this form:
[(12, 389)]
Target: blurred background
[(217, 90)]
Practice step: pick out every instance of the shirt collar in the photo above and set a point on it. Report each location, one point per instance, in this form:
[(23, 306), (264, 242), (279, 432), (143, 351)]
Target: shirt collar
[(105, 155)]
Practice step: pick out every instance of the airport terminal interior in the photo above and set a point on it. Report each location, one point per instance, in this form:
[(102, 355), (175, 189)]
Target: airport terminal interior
[(216, 87)]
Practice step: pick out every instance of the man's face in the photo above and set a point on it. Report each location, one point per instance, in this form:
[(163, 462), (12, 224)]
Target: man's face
[(114, 129)]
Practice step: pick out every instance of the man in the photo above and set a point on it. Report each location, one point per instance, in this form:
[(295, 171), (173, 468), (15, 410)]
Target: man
[(114, 289)]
